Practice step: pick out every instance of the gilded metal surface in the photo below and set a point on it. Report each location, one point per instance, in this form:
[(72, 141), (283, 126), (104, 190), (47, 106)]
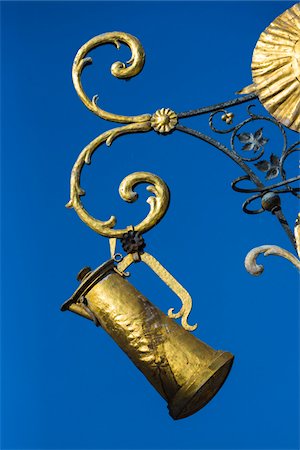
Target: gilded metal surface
[(176, 287), (276, 68), (250, 89), (164, 120), (112, 246), (118, 69), (185, 371), (158, 203), (125, 263), (135, 124), (170, 281), (228, 118)]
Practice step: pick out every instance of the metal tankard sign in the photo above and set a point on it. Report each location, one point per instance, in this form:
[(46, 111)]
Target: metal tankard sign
[(184, 370)]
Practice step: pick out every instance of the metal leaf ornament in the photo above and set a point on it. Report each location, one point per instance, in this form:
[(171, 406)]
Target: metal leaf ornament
[(252, 141), (270, 167)]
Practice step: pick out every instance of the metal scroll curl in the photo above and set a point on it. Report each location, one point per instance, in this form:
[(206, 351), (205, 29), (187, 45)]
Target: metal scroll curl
[(257, 269), (135, 124), (118, 69), (158, 203)]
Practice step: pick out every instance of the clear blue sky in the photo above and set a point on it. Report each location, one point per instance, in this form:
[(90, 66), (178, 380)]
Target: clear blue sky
[(65, 384)]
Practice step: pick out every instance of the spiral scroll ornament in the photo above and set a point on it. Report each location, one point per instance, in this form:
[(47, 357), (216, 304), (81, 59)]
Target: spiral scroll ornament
[(134, 124), (118, 70)]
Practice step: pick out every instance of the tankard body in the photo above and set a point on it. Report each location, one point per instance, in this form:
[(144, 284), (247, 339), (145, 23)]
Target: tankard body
[(184, 370)]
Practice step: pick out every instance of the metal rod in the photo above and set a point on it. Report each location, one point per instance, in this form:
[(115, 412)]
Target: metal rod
[(284, 223), (236, 158), (218, 106)]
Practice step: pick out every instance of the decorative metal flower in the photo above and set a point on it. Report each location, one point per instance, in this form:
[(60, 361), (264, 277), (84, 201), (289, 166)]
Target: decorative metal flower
[(227, 117), (133, 242), (271, 167), (253, 141), (164, 120)]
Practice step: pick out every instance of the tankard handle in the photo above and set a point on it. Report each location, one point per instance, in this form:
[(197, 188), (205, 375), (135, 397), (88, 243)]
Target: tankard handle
[(169, 280)]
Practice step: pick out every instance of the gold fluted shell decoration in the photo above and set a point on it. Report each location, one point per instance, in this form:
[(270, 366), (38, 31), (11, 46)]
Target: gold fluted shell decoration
[(276, 68)]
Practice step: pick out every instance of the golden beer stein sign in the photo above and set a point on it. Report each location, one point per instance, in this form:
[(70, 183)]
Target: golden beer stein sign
[(184, 370)]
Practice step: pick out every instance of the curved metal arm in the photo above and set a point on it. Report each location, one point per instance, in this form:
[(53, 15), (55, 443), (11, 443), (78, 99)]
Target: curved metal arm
[(158, 204), (257, 269), (118, 69)]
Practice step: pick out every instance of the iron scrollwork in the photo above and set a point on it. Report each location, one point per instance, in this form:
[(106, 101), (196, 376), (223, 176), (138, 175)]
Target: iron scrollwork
[(272, 168), (254, 143)]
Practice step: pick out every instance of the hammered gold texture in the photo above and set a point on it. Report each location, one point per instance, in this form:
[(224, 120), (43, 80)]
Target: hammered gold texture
[(276, 68), (185, 371), (170, 281)]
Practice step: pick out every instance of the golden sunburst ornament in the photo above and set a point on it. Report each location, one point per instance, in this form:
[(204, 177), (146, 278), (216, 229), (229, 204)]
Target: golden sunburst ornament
[(276, 68)]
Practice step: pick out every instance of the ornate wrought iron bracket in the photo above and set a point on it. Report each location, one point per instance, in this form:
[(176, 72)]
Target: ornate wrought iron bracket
[(253, 144), (184, 370), (264, 178)]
